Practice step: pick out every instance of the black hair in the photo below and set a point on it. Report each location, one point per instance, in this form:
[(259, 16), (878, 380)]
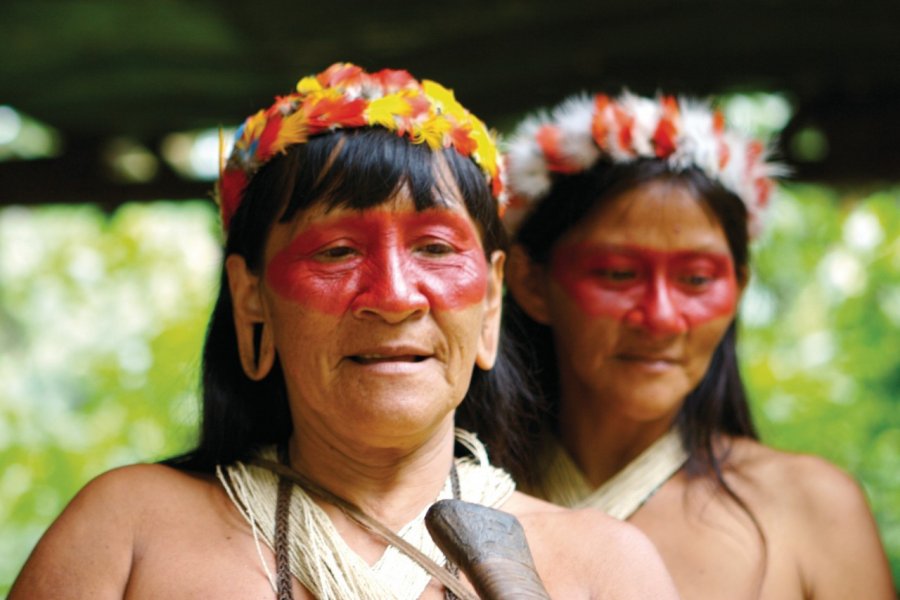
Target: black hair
[(359, 169), (718, 406)]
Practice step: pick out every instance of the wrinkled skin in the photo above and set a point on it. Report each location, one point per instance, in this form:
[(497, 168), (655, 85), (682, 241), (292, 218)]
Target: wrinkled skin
[(489, 546)]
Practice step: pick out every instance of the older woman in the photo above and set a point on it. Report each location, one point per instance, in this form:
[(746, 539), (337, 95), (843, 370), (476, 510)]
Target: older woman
[(360, 305), (632, 219)]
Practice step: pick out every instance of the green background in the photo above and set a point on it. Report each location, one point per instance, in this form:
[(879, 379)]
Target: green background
[(102, 319)]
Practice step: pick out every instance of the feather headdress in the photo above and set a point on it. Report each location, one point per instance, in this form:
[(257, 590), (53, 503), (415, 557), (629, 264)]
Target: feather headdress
[(685, 133), (345, 96)]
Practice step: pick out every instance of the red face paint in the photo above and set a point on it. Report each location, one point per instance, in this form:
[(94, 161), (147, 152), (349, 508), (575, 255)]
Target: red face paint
[(389, 260), (665, 292)]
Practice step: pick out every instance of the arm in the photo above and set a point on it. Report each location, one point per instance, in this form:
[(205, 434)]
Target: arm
[(840, 549), (87, 552)]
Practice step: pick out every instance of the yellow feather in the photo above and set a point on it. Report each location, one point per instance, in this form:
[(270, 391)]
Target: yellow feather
[(293, 131)]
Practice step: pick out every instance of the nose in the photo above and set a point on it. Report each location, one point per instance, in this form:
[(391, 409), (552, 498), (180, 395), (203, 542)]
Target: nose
[(390, 290), (658, 312)]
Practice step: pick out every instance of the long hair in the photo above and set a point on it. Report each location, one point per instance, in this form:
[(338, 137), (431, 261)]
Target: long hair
[(358, 169), (718, 405)]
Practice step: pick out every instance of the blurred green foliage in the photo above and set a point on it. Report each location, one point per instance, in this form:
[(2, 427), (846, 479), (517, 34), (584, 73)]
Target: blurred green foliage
[(102, 319), (819, 340)]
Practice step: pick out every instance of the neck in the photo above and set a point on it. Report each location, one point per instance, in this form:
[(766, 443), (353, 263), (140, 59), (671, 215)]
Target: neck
[(602, 442), (390, 480)]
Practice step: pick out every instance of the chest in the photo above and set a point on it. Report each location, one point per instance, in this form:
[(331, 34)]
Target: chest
[(204, 555), (714, 548), (212, 554)]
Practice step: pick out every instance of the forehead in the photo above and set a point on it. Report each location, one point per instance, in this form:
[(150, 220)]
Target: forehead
[(659, 214)]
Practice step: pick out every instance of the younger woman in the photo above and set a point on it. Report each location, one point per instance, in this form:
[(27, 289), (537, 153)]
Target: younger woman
[(632, 218)]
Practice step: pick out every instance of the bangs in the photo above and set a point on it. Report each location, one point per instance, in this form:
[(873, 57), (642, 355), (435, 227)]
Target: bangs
[(364, 168)]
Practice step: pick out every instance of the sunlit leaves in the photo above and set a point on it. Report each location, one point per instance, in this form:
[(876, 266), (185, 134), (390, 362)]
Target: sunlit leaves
[(821, 337), (101, 321)]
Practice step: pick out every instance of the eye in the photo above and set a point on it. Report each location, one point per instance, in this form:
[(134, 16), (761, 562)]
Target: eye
[(436, 249), (335, 254), (616, 275), (695, 280)]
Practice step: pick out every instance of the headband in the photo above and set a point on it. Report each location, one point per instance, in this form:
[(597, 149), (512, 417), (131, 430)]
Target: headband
[(344, 96), (684, 133)]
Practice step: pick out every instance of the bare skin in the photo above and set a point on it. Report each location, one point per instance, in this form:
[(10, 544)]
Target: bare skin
[(821, 539), (399, 362), (148, 531), (635, 331)]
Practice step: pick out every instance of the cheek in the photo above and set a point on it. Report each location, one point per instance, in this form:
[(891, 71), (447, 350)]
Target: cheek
[(702, 344), (593, 299), (718, 301), (578, 334), (303, 282), (452, 284)]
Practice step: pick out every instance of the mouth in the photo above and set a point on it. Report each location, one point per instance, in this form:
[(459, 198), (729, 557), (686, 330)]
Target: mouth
[(649, 359), (375, 359)]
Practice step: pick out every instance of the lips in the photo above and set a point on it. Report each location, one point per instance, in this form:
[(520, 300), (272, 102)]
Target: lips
[(391, 354), (372, 359), (648, 358)]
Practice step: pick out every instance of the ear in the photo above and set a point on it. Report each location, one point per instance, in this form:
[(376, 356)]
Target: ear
[(256, 345), (526, 282), (489, 340)]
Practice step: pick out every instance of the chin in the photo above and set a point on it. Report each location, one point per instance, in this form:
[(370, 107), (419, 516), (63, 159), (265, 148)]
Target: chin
[(652, 401), (399, 410)]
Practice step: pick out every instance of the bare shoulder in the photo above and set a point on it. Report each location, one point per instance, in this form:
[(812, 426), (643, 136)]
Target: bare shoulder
[(609, 558), (90, 548), (801, 484), (816, 514)]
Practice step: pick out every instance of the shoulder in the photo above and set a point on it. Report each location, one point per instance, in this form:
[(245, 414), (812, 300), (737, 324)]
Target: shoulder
[(129, 495), (611, 555), (795, 482), (818, 515), (117, 499), (90, 547), (135, 480)]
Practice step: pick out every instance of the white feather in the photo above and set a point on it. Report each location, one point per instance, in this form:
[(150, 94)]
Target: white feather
[(574, 118), (527, 172)]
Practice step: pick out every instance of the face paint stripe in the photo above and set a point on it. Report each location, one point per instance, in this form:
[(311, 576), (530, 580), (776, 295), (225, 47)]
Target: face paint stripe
[(652, 288), (385, 265)]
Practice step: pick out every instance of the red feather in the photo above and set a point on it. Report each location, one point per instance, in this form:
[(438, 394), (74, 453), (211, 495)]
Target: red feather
[(340, 74), (393, 80), (327, 112), (763, 191), (599, 129), (496, 190), (461, 140), (664, 138), (231, 188), (625, 123), (718, 122), (548, 139), (270, 132), (724, 154)]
